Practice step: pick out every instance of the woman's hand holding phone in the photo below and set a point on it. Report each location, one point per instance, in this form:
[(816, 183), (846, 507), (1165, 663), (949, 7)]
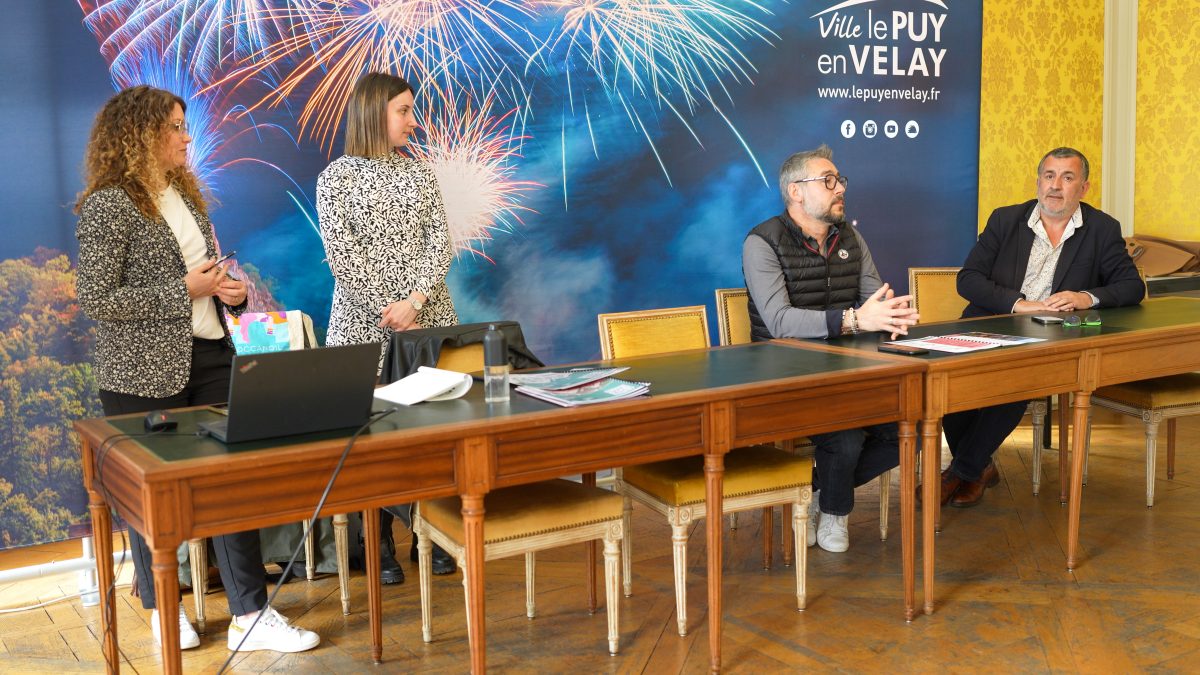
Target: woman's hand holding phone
[(203, 281)]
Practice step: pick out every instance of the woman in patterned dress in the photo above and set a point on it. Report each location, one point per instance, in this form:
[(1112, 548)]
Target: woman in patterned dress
[(383, 223), (148, 277), (384, 228)]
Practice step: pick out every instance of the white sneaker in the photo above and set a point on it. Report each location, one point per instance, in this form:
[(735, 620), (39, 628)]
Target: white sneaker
[(187, 635), (813, 509), (834, 535), (271, 633)]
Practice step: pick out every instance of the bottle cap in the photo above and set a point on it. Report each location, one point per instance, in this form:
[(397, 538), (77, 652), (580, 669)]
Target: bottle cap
[(495, 347)]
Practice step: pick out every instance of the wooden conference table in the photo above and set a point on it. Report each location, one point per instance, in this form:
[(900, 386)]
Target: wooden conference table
[(172, 488), (1159, 337)]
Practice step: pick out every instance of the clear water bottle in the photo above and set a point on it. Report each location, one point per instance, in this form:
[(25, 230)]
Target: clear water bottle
[(495, 366)]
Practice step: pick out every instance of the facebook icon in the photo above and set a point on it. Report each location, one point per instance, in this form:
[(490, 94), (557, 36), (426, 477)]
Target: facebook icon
[(848, 129)]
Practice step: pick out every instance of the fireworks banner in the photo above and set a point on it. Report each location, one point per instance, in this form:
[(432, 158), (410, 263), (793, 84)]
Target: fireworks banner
[(594, 156)]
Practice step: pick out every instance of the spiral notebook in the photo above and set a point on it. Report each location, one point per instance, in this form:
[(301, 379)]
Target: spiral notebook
[(959, 343), (600, 391), (555, 380)]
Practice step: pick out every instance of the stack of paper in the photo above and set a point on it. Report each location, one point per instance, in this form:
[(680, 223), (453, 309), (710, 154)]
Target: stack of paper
[(596, 389), (959, 343), (555, 380)]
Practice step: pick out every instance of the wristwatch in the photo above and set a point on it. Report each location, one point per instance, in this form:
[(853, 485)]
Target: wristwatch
[(417, 304)]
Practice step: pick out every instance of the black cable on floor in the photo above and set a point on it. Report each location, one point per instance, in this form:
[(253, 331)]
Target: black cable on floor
[(375, 417)]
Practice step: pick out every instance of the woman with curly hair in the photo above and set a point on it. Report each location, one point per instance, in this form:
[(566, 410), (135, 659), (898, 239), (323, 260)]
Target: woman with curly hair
[(148, 277)]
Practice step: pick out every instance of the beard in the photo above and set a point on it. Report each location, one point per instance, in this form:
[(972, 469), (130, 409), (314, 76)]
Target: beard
[(827, 216), (1053, 213)]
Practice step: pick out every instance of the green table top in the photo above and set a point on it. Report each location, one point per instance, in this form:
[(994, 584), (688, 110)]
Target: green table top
[(1151, 314), (678, 373)]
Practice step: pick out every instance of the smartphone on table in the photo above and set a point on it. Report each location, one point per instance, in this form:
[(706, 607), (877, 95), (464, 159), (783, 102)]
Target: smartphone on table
[(907, 350)]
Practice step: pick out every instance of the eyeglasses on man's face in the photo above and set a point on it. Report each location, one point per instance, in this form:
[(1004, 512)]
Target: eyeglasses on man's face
[(831, 180)]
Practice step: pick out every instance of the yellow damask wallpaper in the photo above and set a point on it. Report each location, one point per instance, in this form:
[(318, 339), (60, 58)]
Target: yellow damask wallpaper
[(1042, 86), (1168, 119)]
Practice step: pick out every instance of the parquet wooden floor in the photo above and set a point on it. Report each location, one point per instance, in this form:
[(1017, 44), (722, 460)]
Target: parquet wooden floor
[(1006, 600)]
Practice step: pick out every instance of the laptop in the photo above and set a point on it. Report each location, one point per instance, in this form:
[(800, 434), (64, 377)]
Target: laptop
[(298, 392)]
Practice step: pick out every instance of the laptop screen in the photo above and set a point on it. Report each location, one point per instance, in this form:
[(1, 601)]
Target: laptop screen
[(299, 392)]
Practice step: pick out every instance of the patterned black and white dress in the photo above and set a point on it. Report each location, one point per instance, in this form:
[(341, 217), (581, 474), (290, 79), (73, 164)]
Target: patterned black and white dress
[(384, 228)]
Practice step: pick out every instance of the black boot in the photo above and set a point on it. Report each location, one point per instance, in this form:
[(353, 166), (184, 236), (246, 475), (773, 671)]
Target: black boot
[(443, 563), (390, 571)]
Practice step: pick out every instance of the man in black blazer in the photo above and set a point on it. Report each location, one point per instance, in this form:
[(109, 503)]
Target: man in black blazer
[(1051, 254)]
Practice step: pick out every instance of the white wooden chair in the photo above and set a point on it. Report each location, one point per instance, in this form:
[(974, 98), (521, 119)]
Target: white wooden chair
[(525, 519), (733, 328), (936, 298), (755, 477)]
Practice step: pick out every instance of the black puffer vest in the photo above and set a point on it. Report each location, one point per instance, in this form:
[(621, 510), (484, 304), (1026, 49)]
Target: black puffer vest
[(813, 282)]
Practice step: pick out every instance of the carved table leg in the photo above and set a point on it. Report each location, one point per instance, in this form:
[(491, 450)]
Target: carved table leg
[(166, 596), (931, 465), (371, 536), (714, 474), (472, 514)]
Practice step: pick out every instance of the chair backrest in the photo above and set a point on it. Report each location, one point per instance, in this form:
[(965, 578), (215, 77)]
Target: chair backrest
[(935, 293), (652, 331), (465, 359), (733, 316)]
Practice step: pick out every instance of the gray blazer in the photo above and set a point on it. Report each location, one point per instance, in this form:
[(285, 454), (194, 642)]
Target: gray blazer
[(130, 282)]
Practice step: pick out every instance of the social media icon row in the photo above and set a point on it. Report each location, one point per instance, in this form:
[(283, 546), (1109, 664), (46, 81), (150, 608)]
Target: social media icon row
[(870, 129)]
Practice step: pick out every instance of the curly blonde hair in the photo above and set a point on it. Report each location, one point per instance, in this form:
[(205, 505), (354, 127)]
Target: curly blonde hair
[(122, 150)]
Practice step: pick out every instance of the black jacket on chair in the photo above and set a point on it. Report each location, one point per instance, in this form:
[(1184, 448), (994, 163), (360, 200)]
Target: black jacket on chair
[(1094, 259), (411, 349)]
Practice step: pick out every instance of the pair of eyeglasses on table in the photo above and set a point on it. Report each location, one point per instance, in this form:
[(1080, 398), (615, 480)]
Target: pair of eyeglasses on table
[(1073, 321), (1070, 321)]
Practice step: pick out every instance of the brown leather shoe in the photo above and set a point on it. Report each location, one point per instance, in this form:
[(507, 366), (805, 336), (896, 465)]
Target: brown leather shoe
[(950, 486), (971, 492)]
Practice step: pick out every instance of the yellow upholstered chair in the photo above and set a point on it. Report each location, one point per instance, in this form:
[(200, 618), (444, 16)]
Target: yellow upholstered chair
[(935, 293), (522, 519), (653, 331), (1162, 398), (755, 477), (525, 519), (936, 298), (1139, 399), (733, 328), (302, 336), (465, 359)]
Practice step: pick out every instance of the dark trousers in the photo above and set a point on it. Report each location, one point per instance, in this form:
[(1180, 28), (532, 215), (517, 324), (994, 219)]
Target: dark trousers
[(846, 459), (239, 556), (975, 435)]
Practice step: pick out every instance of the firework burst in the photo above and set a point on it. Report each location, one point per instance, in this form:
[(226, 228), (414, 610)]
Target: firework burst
[(213, 134), (147, 67), (444, 44), (472, 153), (205, 33), (654, 58), (658, 48)]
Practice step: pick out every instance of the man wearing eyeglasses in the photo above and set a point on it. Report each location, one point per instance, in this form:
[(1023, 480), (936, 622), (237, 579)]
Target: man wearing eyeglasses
[(1050, 254), (810, 275)]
